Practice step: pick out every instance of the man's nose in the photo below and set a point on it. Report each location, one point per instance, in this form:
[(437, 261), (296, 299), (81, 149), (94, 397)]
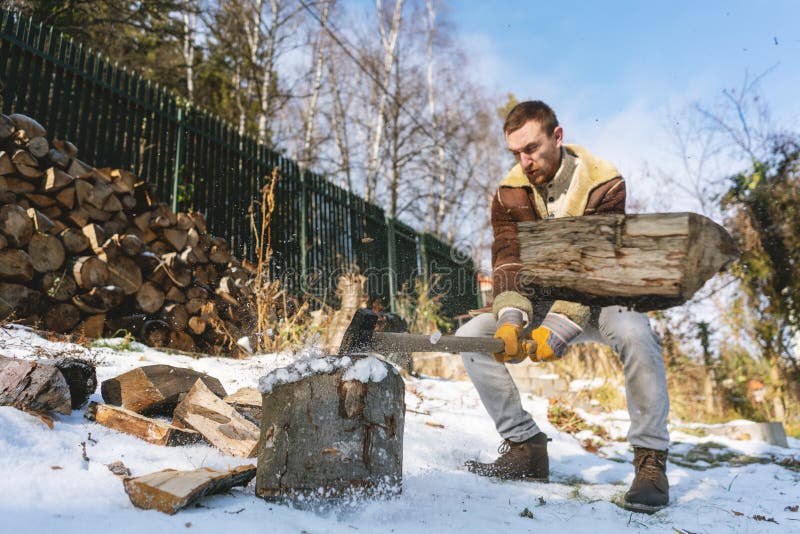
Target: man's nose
[(525, 160)]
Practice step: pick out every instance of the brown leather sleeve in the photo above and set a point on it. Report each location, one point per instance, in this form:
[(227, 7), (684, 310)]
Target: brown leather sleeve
[(607, 198), (515, 206)]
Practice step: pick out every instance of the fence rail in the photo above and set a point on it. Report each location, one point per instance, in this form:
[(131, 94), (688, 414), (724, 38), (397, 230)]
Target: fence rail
[(193, 160)]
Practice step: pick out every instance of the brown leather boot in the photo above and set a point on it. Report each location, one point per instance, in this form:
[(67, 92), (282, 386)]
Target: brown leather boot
[(518, 461), (650, 489)]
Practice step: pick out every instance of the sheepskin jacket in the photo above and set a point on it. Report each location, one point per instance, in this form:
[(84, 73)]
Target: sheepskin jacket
[(596, 187)]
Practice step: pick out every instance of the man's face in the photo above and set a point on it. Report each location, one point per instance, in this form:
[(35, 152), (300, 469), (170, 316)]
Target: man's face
[(538, 153)]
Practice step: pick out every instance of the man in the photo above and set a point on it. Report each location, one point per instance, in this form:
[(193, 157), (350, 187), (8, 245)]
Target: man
[(550, 180)]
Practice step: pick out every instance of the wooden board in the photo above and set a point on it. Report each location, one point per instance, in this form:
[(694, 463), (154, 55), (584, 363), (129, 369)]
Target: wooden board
[(168, 491), (144, 428), (647, 262)]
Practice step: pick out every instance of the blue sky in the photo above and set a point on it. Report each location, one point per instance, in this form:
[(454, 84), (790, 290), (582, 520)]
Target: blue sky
[(613, 70)]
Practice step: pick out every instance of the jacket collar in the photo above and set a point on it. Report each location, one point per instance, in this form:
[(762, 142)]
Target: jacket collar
[(588, 172)]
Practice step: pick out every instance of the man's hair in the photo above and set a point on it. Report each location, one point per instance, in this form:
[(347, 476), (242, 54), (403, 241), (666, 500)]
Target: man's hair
[(531, 110)]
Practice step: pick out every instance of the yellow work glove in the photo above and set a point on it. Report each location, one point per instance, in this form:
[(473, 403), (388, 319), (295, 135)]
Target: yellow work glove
[(509, 329), (552, 337)]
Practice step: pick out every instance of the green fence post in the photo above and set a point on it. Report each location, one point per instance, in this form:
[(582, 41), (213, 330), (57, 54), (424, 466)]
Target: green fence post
[(391, 252), (176, 175), (303, 230)]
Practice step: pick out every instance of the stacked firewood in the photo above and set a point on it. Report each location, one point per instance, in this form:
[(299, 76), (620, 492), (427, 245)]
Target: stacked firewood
[(89, 250)]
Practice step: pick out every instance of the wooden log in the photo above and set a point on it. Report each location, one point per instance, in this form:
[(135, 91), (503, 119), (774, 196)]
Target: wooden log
[(79, 169), (66, 147), (59, 286), (218, 422), (174, 294), (99, 299), (330, 430), (78, 217), (123, 272), (6, 127), (247, 401), (15, 225), (41, 222), (175, 315), (150, 430), (181, 341), (144, 199), (92, 327), (29, 385), (66, 197), (23, 123), (40, 201), (81, 378), (56, 180), (175, 237), (19, 186), (112, 204), (6, 166), (27, 166), (193, 306), (16, 265), (646, 262), (58, 158), (156, 333), (61, 317), (199, 222), (168, 491), (3, 242), (131, 245), (46, 252), (122, 181), (89, 272), (155, 389), (149, 298), (75, 241), (220, 253), (128, 202), (197, 325), (53, 213), (38, 147), (19, 300)]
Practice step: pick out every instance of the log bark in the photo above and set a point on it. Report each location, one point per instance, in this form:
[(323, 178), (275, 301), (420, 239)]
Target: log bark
[(38, 147), (41, 222), (218, 422), (15, 225), (20, 300), (325, 431), (149, 298), (92, 327), (123, 272), (69, 149), (34, 386), (59, 286), (23, 123), (147, 429), (155, 389), (81, 378), (6, 166), (62, 317), (99, 299), (168, 491), (646, 262), (16, 265), (66, 198)]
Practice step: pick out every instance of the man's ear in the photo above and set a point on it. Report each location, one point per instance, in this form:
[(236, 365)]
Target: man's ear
[(558, 133)]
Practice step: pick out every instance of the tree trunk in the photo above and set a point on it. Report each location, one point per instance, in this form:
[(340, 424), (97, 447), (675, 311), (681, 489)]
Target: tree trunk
[(647, 262)]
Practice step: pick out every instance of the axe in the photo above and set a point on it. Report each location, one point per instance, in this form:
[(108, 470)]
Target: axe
[(361, 337)]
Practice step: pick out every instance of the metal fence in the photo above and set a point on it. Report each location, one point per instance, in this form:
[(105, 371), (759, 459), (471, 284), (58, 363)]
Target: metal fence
[(194, 160)]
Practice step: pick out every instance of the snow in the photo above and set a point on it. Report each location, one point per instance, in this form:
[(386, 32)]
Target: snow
[(369, 369), (47, 486)]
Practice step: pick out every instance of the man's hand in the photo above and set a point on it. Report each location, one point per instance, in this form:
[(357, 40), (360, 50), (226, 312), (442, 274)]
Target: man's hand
[(510, 334), (552, 337)]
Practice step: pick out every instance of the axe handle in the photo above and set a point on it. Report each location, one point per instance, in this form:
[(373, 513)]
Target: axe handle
[(385, 342)]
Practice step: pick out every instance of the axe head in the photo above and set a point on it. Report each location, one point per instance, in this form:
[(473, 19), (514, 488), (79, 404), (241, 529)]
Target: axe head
[(358, 336)]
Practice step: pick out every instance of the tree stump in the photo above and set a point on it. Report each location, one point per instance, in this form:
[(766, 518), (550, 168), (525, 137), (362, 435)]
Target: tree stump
[(331, 427)]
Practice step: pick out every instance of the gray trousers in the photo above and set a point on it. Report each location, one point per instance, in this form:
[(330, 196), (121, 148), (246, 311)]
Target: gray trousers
[(628, 333)]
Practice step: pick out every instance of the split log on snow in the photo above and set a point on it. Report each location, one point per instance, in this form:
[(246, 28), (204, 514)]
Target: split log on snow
[(144, 428), (155, 389), (34, 386), (247, 401), (168, 491), (331, 423), (647, 262), (217, 421)]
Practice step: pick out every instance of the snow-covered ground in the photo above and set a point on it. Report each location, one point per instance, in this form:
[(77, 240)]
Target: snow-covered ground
[(46, 485)]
